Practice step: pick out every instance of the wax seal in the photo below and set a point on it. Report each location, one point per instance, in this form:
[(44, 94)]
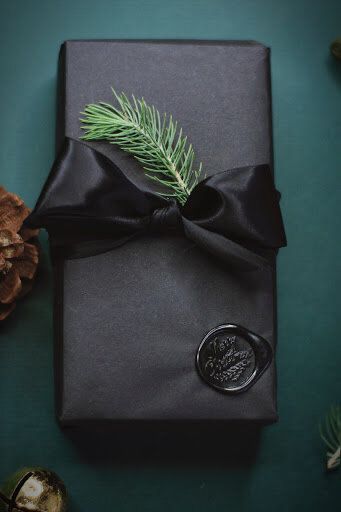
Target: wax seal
[(231, 358)]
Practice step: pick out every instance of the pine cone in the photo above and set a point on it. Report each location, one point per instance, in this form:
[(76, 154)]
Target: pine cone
[(19, 252)]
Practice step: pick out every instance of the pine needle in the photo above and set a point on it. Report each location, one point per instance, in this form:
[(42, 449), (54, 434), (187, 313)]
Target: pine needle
[(155, 141), (331, 434)]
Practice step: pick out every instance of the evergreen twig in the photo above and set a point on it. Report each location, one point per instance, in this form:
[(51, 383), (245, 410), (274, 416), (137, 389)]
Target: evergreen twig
[(154, 140), (330, 432)]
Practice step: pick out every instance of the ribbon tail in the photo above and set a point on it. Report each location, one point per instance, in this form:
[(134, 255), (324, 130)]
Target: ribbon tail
[(84, 249), (230, 252)]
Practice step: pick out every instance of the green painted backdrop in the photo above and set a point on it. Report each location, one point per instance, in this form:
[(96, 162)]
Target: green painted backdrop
[(287, 472)]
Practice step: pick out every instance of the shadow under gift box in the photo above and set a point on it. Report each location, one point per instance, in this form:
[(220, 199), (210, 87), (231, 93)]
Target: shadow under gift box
[(128, 322)]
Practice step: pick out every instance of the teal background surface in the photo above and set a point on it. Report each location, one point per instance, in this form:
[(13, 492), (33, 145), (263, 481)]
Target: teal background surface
[(287, 472)]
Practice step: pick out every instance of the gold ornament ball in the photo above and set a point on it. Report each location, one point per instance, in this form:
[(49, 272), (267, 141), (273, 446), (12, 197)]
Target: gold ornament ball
[(33, 490)]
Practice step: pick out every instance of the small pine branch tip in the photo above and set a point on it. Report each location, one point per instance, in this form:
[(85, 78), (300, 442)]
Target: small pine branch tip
[(330, 432), (154, 140)]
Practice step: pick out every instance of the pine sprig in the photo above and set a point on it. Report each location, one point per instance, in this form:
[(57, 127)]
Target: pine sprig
[(154, 140), (331, 435)]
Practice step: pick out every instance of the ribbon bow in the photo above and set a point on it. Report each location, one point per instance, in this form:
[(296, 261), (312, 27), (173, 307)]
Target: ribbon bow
[(88, 205)]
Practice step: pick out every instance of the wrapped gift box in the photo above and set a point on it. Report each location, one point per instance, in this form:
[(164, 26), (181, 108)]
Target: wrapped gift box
[(128, 321)]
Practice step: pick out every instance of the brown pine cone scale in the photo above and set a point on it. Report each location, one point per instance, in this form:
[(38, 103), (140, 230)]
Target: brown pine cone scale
[(19, 252)]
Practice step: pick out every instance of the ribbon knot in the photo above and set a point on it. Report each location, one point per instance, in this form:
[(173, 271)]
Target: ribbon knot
[(167, 217), (89, 206)]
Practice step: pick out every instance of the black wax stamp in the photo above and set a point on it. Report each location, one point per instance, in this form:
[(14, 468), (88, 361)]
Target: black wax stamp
[(231, 359)]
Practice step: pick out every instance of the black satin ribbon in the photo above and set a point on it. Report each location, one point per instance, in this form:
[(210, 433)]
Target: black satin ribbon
[(89, 206)]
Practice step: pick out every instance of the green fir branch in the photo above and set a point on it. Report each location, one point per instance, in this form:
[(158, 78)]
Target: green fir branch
[(330, 432), (154, 140)]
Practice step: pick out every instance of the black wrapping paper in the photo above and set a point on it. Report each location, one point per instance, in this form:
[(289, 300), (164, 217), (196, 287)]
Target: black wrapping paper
[(129, 321)]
